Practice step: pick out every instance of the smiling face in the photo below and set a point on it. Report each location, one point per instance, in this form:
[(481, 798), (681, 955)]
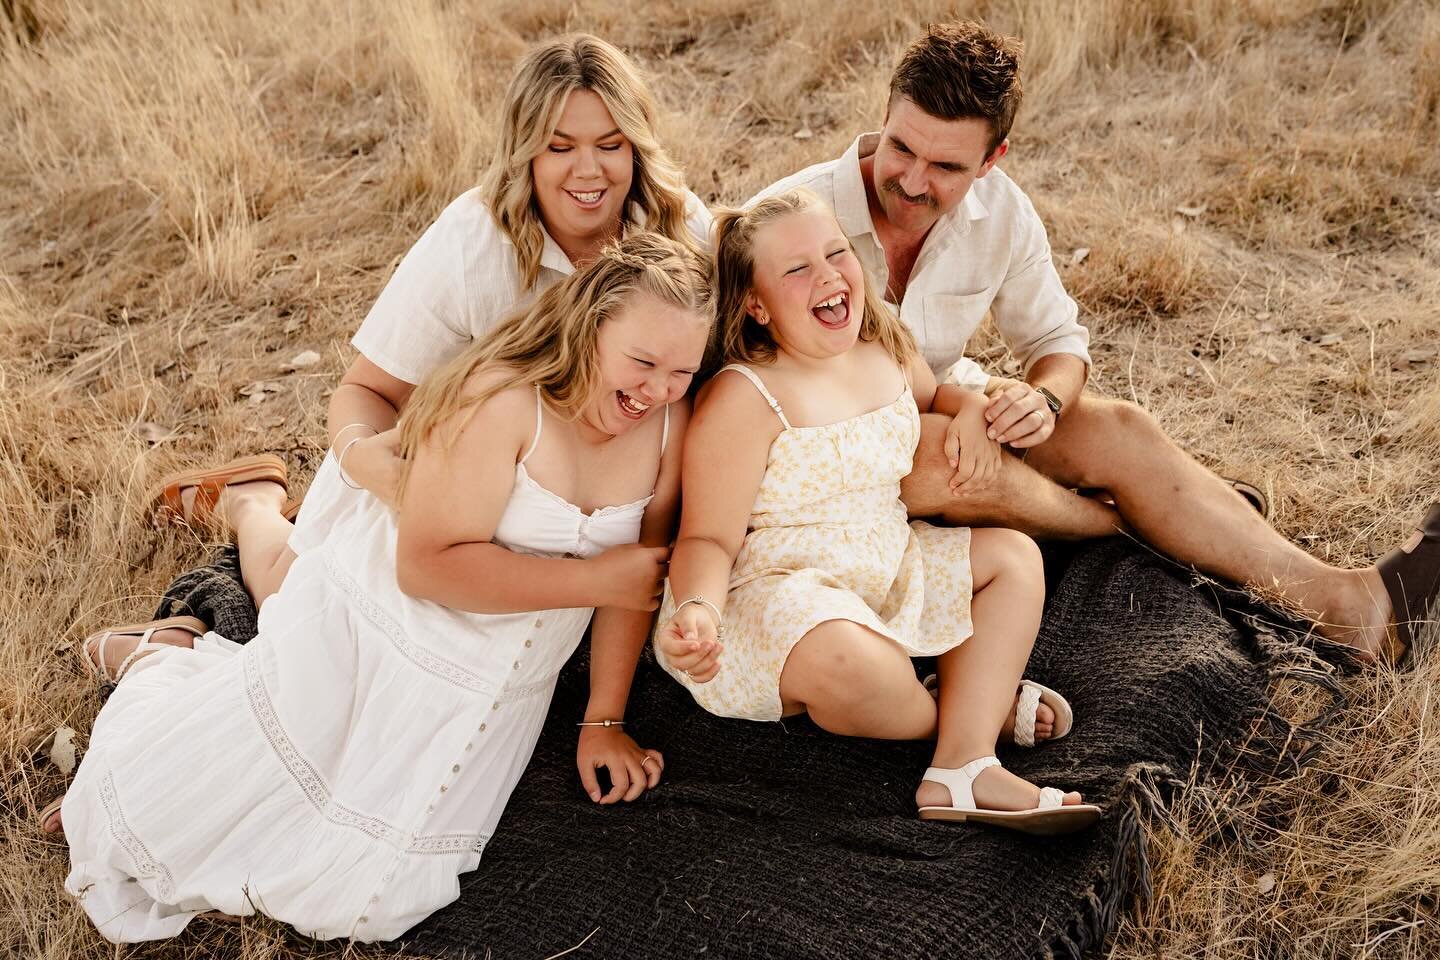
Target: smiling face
[(923, 166), (583, 175), (646, 354), (808, 286)]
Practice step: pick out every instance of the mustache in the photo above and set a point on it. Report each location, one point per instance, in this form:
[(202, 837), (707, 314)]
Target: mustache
[(893, 186)]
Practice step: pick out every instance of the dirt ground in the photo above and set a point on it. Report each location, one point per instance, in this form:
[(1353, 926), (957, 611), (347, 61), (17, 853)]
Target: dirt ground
[(1244, 197)]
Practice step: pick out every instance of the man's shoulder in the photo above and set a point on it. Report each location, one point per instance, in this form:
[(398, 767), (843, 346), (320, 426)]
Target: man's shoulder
[(818, 177)]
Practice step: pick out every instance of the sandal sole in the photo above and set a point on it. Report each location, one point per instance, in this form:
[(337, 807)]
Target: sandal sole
[(1045, 823)]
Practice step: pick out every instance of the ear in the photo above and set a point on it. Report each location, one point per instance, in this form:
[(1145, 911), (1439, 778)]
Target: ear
[(994, 157), (755, 309)]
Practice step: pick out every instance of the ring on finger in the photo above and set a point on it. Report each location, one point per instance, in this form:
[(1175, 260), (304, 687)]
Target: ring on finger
[(647, 759)]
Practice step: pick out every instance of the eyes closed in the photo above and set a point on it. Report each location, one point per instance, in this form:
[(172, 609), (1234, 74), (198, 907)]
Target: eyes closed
[(566, 148), (829, 256), (648, 365), (905, 151)]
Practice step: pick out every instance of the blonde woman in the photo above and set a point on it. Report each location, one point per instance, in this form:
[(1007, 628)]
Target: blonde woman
[(375, 727), (797, 585), (577, 163)]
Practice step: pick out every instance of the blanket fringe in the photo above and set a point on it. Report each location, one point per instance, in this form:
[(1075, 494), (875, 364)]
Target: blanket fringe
[(1277, 750)]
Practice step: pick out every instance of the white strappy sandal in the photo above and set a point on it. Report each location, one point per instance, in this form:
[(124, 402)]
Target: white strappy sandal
[(1051, 817), (1032, 694), (93, 646)]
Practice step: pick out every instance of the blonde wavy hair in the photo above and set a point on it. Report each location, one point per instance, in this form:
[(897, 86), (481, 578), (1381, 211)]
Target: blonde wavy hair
[(552, 343), (532, 107), (740, 339)]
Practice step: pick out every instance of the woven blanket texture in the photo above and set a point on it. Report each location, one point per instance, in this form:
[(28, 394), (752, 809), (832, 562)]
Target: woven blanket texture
[(778, 840)]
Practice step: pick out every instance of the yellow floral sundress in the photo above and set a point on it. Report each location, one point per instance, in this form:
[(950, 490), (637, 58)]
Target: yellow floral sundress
[(829, 540)]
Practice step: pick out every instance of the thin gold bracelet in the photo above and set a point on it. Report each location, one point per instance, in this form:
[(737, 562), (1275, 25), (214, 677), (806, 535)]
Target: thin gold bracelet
[(601, 723)]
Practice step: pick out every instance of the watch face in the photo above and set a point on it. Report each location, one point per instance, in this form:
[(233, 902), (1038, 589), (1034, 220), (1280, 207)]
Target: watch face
[(1050, 398)]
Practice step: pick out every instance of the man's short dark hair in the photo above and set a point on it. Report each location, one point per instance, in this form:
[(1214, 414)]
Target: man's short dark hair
[(960, 70)]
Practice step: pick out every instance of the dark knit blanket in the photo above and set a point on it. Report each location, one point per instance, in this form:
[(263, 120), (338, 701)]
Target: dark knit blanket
[(782, 841)]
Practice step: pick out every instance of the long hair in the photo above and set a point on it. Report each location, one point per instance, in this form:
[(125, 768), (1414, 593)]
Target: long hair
[(741, 339), (552, 343), (533, 104)]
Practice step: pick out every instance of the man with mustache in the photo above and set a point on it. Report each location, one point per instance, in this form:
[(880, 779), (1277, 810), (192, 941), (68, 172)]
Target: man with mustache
[(950, 237)]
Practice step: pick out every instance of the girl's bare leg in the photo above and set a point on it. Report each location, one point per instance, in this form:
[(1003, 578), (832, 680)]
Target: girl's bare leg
[(979, 677)]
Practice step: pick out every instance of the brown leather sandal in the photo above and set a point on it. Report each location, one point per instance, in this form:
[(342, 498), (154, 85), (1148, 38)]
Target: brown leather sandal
[(164, 502), (1411, 574)]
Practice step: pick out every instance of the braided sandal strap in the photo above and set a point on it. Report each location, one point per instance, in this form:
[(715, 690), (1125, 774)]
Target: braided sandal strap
[(1025, 714)]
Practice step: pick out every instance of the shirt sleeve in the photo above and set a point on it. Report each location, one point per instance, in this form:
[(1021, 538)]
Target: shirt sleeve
[(422, 317), (968, 374), (699, 220), (1033, 313)]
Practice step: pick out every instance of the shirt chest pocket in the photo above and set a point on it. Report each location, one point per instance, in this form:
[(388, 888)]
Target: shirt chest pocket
[(951, 319)]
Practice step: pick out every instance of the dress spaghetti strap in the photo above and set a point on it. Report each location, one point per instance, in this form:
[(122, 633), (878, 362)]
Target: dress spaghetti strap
[(754, 378), (539, 424), (665, 431)]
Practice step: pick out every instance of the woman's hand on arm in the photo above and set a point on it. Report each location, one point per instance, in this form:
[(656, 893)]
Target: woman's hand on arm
[(363, 411)]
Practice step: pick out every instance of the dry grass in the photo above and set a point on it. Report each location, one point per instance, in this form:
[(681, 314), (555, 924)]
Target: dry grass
[(195, 192)]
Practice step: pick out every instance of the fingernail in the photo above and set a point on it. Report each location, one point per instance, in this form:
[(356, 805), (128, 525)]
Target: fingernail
[(990, 434), (595, 795)]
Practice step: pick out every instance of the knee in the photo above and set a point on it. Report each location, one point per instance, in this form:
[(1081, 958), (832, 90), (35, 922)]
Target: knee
[(1010, 554), (926, 491), (855, 665), (1119, 421)]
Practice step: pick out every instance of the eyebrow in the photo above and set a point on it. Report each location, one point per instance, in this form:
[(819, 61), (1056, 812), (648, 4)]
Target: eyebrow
[(565, 136), (950, 164)]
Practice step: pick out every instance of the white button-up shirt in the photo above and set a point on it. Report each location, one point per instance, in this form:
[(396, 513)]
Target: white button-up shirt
[(988, 254), (459, 281)]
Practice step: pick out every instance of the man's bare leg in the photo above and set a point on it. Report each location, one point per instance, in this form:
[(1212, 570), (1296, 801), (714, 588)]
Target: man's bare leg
[(1190, 514), (1020, 498)]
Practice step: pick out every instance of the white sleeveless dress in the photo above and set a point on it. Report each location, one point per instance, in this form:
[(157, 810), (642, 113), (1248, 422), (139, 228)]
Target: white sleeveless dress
[(342, 769)]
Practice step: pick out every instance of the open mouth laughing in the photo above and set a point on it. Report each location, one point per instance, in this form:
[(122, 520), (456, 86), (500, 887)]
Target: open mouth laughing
[(630, 407), (833, 313)]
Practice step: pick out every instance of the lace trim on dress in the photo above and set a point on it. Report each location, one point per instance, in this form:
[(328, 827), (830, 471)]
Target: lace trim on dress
[(416, 654), (451, 843), (146, 866), (306, 776)]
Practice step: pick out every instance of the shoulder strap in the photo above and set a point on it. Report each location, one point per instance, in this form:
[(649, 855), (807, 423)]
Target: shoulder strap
[(665, 431), (754, 378), (539, 424)]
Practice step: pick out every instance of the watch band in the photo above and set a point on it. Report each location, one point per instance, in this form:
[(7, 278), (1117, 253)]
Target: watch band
[(1052, 400)]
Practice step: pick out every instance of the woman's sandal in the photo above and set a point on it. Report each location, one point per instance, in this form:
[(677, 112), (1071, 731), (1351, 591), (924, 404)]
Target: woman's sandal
[(1411, 574), (1050, 818), (93, 647), (1032, 694), (165, 501)]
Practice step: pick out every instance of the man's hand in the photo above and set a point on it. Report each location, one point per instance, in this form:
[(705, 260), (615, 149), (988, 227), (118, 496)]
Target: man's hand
[(1018, 415), (974, 456), (632, 770)]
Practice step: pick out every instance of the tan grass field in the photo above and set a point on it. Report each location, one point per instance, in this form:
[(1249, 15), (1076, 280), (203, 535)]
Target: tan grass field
[(192, 193)]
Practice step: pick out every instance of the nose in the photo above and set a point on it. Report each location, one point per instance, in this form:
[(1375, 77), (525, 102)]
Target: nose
[(653, 389), (586, 163), (913, 182)]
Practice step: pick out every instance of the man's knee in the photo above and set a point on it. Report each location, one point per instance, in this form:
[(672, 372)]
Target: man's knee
[(1119, 421), (926, 491)]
